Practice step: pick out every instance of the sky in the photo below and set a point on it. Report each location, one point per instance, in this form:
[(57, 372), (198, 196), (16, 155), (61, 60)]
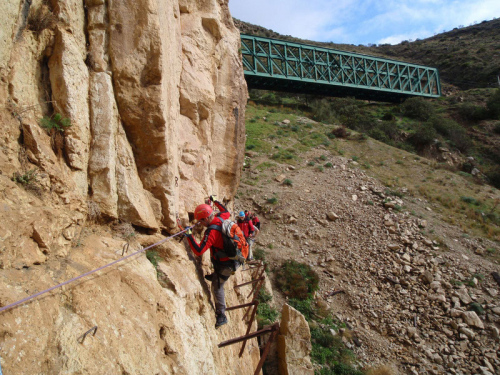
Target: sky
[(363, 21)]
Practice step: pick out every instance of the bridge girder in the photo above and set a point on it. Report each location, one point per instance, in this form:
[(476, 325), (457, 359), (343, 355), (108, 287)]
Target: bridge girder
[(272, 64)]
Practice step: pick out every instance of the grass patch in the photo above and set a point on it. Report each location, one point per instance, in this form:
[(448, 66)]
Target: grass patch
[(266, 314), (153, 257), (265, 165), (272, 200)]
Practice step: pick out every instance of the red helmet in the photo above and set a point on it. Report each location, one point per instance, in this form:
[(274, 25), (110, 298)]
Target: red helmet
[(202, 212)]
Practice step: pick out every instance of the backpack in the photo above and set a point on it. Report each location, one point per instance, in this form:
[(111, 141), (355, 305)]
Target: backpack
[(235, 245)]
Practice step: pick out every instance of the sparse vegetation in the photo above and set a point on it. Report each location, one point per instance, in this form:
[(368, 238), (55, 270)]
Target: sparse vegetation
[(41, 18), (297, 280), (153, 257), (55, 123), (25, 179), (29, 180), (272, 200), (266, 314)]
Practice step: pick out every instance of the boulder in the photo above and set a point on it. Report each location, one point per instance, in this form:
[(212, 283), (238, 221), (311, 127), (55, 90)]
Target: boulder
[(294, 343)]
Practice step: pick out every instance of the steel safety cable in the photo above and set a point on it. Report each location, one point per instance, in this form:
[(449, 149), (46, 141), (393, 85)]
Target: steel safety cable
[(26, 299)]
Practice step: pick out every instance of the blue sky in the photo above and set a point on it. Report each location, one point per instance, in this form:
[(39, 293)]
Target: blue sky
[(363, 21)]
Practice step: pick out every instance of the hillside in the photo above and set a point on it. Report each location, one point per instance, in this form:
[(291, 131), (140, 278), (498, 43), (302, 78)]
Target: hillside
[(465, 120), (467, 57), (404, 265)]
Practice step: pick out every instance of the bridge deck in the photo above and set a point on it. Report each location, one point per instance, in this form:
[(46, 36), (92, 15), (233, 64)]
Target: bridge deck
[(272, 64)]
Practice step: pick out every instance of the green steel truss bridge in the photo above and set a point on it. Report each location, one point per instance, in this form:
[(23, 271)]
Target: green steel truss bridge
[(271, 64)]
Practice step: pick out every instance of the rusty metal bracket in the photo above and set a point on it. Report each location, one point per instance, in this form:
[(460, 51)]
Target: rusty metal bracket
[(240, 306), (263, 357), (236, 340), (248, 269), (81, 339), (125, 248), (249, 282), (274, 329), (250, 322), (258, 285)]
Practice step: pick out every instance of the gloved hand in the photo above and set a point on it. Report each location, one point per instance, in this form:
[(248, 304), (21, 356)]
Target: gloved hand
[(211, 198), (188, 232)]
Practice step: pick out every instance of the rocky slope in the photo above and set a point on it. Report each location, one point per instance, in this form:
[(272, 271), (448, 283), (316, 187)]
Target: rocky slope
[(417, 304), (155, 95)]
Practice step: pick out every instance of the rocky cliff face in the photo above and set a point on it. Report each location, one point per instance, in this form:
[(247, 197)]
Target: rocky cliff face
[(155, 96)]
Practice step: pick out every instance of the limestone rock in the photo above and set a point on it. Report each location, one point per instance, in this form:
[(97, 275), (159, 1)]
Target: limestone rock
[(471, 318), (294, 343), (280, 178), (332, 216)]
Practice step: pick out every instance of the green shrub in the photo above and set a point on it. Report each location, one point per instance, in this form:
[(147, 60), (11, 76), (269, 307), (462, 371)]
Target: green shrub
[(470, 200), (493, 106), (328, 165), (330, 352), (283, 155), (423, 137), (322, 157), (311, 164), (297, 280), (28, 178), (29, 181), (456, 133), (287, 182), (266, 315), (259, 254), (476, 307), (331, 135), (417, 108), (272, 200), (471, 112), (56, 122), (304, 306), (388, 116), (340, 132), (323, 111), (153, 257)]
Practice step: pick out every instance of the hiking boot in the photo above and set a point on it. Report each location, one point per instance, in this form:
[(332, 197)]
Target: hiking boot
[(210, 277), (220, 320)]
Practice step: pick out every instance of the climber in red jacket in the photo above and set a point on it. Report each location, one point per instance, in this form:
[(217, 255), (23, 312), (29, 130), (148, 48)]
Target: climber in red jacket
[(248, 230), (213, 240)]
